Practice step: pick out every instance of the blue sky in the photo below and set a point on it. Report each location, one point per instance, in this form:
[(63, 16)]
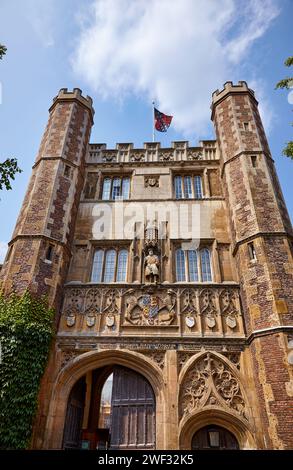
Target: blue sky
[(124, 53)]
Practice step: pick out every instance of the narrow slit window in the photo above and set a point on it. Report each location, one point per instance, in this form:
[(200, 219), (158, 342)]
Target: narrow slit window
[(106, 189), (192, 266), (246, 126), (110, 262), (67, 171), (197, 187), (251, 251), (116, 188), (187, 187), (97, 266), (206, 272), (180, 266), (49, 253), (254, 161), (178, 187), (122, 266)]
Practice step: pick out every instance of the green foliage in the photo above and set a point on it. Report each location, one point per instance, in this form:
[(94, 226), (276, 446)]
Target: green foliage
[(26, 330), (287, 83), (3, 50), (288, 150), (8, 170)]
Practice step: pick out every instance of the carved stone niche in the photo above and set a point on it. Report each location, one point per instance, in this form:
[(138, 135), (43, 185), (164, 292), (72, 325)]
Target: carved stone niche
[(151, 181), (210, 381), (91, 185)]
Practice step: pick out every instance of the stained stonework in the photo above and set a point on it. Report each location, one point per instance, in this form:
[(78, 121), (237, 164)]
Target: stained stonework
[(211, 335)]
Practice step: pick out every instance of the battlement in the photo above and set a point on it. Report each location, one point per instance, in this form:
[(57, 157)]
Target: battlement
[(152, 152), (76, 95), (229, 88)]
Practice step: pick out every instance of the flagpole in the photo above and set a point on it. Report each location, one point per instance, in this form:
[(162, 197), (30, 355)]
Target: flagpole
[(153, 120)]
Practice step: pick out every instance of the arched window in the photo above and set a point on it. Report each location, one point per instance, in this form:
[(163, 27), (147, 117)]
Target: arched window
[(122, 266), (180, 265), (97, 270), (110, 265), (206, 272), (110, 261)]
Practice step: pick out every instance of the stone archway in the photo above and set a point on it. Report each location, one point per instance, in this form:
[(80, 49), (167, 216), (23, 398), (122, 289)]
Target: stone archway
[(210, 416), (211, 393), (84, 363)]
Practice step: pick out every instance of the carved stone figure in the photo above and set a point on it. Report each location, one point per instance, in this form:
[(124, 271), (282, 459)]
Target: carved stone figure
[(152, 266)]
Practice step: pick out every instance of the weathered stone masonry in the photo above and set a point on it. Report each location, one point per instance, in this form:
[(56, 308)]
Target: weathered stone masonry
[(216, 353)]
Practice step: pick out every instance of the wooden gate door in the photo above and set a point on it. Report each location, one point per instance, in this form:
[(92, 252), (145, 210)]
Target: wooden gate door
[(74, 416), (133, 411)]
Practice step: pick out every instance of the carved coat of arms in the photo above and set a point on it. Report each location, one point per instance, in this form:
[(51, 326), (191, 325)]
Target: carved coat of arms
[(149, 305)]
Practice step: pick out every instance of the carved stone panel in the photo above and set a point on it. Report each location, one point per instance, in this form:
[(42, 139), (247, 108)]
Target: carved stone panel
[(211, 382), (149, 309), (151, 181)]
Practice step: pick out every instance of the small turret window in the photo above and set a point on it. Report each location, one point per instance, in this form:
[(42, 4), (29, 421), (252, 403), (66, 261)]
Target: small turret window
[(49, 253), (251, 251)]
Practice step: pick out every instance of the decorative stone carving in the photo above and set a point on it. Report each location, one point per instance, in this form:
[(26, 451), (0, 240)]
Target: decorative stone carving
[(208, 307), (166, 156), (153, 304), (211, 382), (149, 309), (74, 304), (137, 157), (68, 356), (111, 303), (158, 357), (90, 320), (92, 302), (70, 320), (110, 320), (151, 181), (109, 157), (183, 357), (189, 302), (190, 321), (228, 309), (233, 357), (194, 155)]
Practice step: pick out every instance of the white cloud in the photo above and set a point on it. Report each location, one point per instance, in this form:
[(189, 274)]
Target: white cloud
[(41, 17), (175, 51), (3, 250)]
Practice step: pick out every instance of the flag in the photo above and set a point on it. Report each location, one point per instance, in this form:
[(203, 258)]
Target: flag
[(162, 121)]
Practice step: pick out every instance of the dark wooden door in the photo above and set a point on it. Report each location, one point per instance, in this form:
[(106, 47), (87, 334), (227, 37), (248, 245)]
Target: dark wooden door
[(74, 416), (133, 411), (214, 438)]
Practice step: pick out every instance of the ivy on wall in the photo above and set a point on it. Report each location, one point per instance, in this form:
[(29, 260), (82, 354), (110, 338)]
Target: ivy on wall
[(26, 330)]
